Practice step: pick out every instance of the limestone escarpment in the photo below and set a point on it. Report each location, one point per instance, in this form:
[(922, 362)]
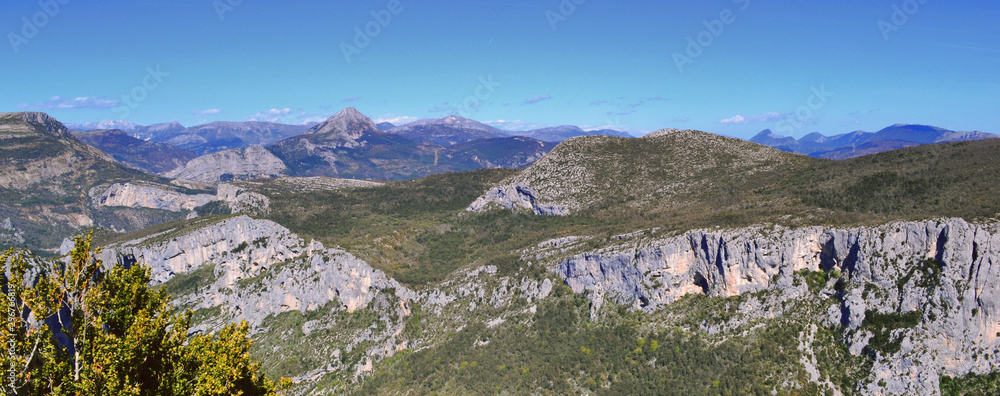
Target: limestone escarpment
[(288, 273), (946, 271), (134, 195), (244, 163)]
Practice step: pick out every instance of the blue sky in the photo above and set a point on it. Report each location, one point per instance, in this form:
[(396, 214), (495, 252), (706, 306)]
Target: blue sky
[(791, 66)]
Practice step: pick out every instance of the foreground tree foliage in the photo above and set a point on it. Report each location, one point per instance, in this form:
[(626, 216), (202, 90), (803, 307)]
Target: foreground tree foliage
[(75, 329)]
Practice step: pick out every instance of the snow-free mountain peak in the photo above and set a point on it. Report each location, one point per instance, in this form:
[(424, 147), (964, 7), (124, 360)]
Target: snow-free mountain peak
[(348, 123), (453, 121)]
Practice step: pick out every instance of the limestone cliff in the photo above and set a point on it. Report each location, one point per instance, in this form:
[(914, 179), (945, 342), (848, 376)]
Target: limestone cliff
[(947, 270), (135, 195), (237, 164)]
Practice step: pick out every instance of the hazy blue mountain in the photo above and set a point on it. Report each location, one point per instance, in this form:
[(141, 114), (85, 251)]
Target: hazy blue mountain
[(446, 131), (560, 133), (350, 145), (141, 132), (863, 143), (224, 135), (149, 156)]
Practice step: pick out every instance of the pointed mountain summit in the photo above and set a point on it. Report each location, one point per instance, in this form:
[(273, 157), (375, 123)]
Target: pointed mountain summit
[(348, 124), (768, 138)]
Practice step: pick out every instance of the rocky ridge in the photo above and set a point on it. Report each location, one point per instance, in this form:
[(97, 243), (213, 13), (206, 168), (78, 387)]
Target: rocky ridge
[(674, 164)]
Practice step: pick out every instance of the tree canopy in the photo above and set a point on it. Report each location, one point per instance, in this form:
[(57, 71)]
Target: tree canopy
[(73, 327)]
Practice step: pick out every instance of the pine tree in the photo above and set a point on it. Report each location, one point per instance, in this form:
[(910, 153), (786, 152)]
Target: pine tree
[(72, 328)]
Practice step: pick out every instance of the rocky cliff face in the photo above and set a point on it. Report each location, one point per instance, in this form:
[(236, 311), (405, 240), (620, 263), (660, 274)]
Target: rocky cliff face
[(46, 174), (288, 273), (948, 272), (515, 197), (257, 270), (942, 274), (238, 164), (133, 195), (9, 233), (242, 201)]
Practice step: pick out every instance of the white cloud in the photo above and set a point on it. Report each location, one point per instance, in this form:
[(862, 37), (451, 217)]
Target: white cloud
[(80, 103), (208, 112), (753, 119), (273, 115), (514, 125), (738, 119), (395, 119)]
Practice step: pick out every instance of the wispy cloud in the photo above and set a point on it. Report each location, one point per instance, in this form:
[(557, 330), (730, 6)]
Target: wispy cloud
[(620, 112), (273, 115), (208, 112), (599, 102), (514, 125), (537, 99), (351, 99), (740, 119), (396, 119), (80, 103)]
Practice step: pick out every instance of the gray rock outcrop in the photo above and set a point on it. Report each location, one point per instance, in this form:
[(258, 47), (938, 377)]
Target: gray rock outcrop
[(244, 163), (271, 269), (514, 197), (949, 270), (144, 196)]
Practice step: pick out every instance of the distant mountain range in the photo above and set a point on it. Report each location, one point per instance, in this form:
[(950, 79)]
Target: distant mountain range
[(149, 156), (350, 145), (141, 132), (223, 135), (860, 143), (455, 129)]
